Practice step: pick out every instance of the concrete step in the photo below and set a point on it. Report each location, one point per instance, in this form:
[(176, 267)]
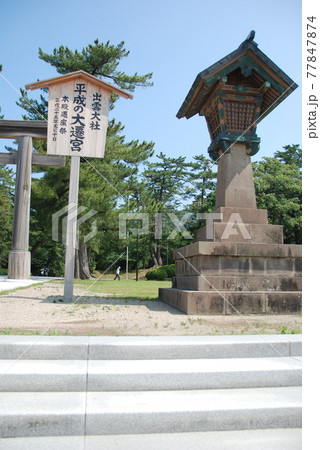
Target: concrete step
[(150, 392), (148, 347), (272, 439), (111, 413), (138, 375)]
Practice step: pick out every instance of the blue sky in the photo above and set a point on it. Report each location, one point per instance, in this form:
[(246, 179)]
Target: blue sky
[(175, 40)]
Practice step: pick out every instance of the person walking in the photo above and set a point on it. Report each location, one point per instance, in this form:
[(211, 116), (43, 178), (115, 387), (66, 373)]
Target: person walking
[(117, 273)]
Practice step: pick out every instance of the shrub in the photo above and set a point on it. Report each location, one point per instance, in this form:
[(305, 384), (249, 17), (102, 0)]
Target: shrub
[(170, 269), (161, 273), (157, 274)]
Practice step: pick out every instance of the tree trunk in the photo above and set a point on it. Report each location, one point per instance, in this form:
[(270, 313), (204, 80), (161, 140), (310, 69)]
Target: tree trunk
[(159, 257), (76, 265), (153, 260), (34, 248), (83, 262), (155, 255)]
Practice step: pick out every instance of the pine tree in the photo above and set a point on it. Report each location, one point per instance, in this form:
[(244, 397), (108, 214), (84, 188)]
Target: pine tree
[(204, 185), (278, 183), (166, 186)]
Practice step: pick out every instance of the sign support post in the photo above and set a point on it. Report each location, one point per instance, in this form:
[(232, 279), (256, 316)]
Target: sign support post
[(71, 235)]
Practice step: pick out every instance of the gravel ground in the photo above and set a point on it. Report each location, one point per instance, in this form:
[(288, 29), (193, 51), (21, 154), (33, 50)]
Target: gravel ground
[(37, 310)]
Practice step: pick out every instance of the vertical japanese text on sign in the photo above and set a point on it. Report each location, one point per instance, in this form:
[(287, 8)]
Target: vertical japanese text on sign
[(78, 119), (78, 125)]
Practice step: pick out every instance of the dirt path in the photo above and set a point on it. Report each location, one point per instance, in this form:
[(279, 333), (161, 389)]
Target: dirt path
[(36, 309)]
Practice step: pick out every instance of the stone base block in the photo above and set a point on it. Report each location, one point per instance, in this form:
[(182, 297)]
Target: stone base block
[(253, 233), (19, 265), (238, 249), (232, 302), (193, 302), (247, 269), (247, 215), (238, 283)]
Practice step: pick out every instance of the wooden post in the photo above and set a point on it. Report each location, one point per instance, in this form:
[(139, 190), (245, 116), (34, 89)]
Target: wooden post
[(19, 263), (71, 237), (19, 257)]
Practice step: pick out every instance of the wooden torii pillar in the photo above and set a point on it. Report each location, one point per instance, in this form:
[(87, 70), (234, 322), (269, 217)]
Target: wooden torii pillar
[(19, 263)]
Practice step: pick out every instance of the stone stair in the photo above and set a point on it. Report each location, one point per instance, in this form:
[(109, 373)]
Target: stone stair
[(209, 392)]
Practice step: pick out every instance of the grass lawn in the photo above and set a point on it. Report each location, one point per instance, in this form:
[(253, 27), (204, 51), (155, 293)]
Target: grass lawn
[(142, 289)]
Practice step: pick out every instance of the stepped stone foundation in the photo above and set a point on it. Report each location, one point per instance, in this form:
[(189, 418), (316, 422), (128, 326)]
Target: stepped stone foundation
[(228, 278)]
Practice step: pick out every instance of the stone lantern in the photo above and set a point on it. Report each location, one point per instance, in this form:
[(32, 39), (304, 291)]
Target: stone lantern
[(238, 261)]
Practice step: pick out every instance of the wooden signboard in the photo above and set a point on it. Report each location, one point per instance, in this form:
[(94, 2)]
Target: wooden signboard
[(77, 119), (77, 114)]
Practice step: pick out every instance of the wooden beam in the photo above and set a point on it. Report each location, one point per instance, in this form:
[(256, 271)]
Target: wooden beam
[(13, 129), (37, 160), (266, 85), (48, 160), (8, 158)]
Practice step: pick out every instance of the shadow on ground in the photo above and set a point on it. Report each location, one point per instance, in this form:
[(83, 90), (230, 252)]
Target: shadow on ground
[(151, 304)]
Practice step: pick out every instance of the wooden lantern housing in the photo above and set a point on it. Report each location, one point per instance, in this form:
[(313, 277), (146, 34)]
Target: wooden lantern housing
[(234, 94)]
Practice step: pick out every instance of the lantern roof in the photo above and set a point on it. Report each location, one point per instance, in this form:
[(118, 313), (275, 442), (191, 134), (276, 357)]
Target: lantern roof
[(76, 75), (246, 67)]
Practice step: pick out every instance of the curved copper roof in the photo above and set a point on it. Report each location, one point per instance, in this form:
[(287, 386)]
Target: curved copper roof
[(254, 65)]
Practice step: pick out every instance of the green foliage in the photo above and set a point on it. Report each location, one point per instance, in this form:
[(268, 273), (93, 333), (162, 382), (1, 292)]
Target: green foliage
[(284, 330), (167, 271), (157, 274), (278, 183), (1, 115), (165, 184), (49, 254), (203, 182), (166, 178), (6, 212), (36, 109), (292, 155), (170, 269), (98, 59)]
